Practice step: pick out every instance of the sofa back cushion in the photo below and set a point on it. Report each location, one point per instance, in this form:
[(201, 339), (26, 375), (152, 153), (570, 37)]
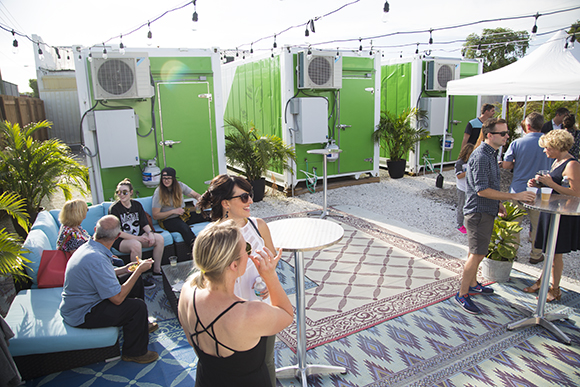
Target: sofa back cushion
[(95, 213), (46, 222), (35, 243)]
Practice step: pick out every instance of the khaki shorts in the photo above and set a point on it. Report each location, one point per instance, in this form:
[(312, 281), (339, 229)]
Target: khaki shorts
[(479, 228)]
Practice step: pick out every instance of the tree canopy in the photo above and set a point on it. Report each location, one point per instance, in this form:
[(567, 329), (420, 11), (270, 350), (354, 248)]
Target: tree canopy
[(499, 47)]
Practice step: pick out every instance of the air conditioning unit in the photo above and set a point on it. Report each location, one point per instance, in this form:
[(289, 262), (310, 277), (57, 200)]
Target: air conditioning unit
[(319, 70), (122, 77), (439, 72)]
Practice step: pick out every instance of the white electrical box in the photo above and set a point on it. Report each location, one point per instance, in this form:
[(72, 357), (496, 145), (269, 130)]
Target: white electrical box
[(117, 138), (311, 120), (435, 120)]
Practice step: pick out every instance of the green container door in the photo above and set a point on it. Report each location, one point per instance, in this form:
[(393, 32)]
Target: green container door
[(186, 117), (357, 110)]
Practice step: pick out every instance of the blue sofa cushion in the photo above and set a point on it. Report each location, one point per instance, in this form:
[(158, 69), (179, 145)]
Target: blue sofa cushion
[(196, 228), (95, 213), (38, 327), (35, 243), (46, 222)]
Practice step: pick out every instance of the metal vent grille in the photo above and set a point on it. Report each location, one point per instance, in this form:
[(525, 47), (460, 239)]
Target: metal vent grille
[(115, 77), (319, 70), (444, 75)]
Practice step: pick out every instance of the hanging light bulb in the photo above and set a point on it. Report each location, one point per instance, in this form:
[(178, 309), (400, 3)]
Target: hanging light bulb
[(237, 53), (90, 57), (478, 51), (252, 48), (360, 42), (272, 52), (535, 27), (14, 43), (386, 8), (306, 32), (431, 36), (57, 52), (309, 54), (337, 53), (274, 45), (149, 35), (194, 17), (121, 46), (312, 26), (401, 54), (40, 54), (105, 55), (371, 51), (417, 49)]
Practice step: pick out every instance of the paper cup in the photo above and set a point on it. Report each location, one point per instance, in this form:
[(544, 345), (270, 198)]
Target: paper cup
[(532, 189), (546, 192)]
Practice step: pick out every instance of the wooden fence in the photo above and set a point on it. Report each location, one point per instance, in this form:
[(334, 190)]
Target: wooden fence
[(23, 110)]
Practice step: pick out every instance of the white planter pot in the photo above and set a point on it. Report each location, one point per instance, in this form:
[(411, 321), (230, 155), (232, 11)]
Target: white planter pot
[(497, 271)]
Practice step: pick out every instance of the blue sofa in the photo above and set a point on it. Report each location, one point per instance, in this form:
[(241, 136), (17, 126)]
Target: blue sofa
[(43, 343)]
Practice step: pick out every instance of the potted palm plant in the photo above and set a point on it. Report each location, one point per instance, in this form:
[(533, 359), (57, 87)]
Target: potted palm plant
[(255, 153), (37, 169), (503, 246), (397, 135)]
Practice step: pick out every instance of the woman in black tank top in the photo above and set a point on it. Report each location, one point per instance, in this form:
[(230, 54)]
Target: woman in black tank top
[(227, 333)]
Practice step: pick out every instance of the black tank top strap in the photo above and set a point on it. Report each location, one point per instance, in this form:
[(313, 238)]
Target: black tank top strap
[(211, 325)]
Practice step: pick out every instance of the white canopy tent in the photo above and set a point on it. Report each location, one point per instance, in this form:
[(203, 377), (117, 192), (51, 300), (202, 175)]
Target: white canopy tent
[(550, 70)]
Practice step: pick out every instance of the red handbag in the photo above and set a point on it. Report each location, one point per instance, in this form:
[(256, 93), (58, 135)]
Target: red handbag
[(51, 269)]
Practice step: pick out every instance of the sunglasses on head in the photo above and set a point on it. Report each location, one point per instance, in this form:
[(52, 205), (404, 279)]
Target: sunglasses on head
[(248, 248), (503, 134), (244, 197), (124, 192)]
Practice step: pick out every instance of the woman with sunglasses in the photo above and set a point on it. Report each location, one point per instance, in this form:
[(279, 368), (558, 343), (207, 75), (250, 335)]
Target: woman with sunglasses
[(168, 207), (229, 198), (227, 332), (564, 178), (136, 232)]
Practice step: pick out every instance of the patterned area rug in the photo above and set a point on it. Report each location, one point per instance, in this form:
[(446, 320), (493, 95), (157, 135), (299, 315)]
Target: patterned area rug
[(370, 276)]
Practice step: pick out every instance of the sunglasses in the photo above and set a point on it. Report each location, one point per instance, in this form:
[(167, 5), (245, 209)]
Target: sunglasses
[(244, 197), (503, 134), (248, 248), (119, 192)]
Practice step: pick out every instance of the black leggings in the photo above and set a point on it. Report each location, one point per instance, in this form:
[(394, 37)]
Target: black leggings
[(178, 225)]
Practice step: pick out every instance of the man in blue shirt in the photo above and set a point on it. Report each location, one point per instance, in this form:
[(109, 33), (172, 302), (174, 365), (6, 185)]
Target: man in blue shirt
[(92, 296), (482, 204), (526, 158)]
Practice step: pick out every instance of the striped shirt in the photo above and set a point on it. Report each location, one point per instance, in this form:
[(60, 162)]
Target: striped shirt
[(483, 173)]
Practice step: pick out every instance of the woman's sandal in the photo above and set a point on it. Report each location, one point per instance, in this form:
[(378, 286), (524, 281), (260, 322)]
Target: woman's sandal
[(534, 288), (554, 294)]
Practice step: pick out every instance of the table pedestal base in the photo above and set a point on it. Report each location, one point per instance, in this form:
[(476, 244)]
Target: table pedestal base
[(323, 214), (545, 322), (311, 369)]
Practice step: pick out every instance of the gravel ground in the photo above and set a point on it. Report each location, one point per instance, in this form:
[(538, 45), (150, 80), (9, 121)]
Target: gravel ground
[(412, 200)]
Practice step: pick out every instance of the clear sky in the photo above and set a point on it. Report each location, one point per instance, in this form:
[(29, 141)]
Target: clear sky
[(228, 24)]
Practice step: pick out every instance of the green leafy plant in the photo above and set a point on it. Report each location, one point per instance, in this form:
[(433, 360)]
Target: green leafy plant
[(255, 153), (396, 134), (37, 169), (12, 262), (503, 245)]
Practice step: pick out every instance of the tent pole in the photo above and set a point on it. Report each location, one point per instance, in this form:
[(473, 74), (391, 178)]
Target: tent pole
[(543, 104), (525, 106)]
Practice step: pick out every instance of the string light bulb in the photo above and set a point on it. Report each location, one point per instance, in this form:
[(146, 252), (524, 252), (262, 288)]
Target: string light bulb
[(121, 46), (535, 27), (385, 16), (274, 45), (386, 7), (149, 35), (430, 36), (105, 55), (478, 51), (312, 26), (40, 54), (57, 52), (90, 57), (360, 42), (194, 17), (14, 43), (306, 32), (252, 48), (417, 49)]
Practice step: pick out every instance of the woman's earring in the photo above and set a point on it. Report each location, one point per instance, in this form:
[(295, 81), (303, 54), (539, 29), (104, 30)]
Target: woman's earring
[(226, 214)]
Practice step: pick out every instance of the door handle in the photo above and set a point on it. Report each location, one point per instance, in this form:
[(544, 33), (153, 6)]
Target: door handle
[(343, 127), (169, 143)]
